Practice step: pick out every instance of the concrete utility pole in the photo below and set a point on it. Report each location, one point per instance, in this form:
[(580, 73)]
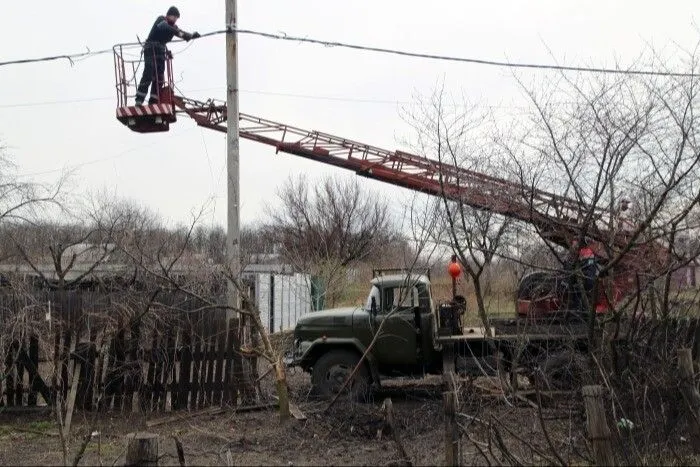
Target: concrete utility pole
[(232, 139)]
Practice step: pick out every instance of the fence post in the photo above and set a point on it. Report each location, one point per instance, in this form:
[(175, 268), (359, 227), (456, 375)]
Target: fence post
[(696, 343), (142, 449), (597, 425), (688, 388), (449, 399)]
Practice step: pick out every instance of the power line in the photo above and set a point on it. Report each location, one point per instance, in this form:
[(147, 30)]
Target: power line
[(72, 58), (243, 91), (59, 102), (175, 134), (285, 37), (251, 91), (477, 61), (353, 100)]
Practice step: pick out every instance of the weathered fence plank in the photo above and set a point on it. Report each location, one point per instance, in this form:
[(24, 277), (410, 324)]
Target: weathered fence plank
[(221, 356), (175, 359), (185, 370)]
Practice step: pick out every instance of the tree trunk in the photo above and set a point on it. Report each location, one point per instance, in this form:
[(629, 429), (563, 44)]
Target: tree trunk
[(481, 306), (280, 375), (282, 393)]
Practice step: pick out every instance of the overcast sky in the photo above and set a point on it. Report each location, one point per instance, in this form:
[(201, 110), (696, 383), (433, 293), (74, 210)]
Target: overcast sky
[(176, 172)]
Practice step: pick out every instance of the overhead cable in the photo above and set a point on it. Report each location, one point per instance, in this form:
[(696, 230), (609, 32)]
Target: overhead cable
[(72, 58), (285, 37)]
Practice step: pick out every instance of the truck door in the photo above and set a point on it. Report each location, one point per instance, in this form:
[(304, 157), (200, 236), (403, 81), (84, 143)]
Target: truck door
[(397, 342)]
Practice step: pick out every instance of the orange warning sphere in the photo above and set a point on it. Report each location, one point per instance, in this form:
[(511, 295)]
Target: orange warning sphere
[(454, 269)]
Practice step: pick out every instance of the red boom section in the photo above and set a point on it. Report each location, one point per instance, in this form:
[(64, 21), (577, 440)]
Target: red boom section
[(558, 218)]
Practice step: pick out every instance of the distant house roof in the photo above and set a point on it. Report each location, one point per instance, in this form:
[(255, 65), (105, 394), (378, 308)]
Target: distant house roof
[(89, 252), (268, 268), (111, 262)]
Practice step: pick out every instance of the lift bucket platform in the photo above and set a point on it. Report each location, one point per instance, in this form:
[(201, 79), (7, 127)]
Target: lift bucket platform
[(146, 118)]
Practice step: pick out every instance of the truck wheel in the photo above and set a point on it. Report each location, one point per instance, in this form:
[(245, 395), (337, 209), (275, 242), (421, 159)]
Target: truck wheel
[(332, 370)]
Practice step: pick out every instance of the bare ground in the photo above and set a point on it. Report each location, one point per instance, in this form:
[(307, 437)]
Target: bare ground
[(344, 435)]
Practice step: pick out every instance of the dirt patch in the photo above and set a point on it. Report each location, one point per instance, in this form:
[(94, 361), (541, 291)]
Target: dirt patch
[(493, 428)]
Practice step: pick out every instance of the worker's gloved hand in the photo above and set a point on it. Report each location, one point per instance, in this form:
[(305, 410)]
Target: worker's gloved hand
[(195, 35), (169, 54), (187, 36)]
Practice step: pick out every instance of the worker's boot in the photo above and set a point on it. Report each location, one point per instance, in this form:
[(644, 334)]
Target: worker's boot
[(139, 98), (153, 100)]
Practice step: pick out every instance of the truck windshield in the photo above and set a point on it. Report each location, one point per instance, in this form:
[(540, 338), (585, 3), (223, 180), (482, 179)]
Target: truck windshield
[(399, 298)]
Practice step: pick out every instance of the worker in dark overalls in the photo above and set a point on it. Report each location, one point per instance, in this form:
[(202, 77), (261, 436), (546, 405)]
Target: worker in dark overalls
[(583, 271), (155, 52)]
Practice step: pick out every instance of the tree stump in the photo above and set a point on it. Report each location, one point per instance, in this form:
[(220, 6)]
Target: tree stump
[(142, 449)]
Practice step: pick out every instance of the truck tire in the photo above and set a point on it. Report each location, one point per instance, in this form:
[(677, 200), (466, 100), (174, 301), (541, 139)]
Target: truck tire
[(331, 371)]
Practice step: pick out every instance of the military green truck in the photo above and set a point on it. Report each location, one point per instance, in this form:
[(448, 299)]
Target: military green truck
[(402, 332)]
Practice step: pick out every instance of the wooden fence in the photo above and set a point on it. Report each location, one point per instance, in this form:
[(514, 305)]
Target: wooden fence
[(116, 351)]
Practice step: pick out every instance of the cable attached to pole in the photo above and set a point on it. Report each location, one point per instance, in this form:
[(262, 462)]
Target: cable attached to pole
[(91, 53), (285, 37)]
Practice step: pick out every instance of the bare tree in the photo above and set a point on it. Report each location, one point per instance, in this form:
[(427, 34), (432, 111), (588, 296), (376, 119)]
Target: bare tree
[(455, 134), (64, 254), (605, 141), (624, 148), (173, 260), (21, 200), (327, 227)]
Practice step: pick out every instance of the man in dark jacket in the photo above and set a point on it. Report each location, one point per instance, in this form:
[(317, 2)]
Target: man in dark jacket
[(155, 51), (583, 265)]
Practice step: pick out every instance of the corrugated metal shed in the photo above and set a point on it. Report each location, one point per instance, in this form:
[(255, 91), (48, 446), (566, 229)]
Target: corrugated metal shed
[(281, 296)]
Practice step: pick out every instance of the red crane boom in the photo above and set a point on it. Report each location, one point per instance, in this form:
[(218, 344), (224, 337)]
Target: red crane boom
[(557, 217)]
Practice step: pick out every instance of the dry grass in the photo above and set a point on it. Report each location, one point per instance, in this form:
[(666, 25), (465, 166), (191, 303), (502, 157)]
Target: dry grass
[(345, 435)]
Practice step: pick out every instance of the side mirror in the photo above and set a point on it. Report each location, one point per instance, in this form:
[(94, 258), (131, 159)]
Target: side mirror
[(373, 307)]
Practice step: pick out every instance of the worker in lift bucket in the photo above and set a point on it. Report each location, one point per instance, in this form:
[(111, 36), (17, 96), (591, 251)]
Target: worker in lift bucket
[(155, 52)]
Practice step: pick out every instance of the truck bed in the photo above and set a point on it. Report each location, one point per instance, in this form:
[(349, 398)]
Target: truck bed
[(521, 329)]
